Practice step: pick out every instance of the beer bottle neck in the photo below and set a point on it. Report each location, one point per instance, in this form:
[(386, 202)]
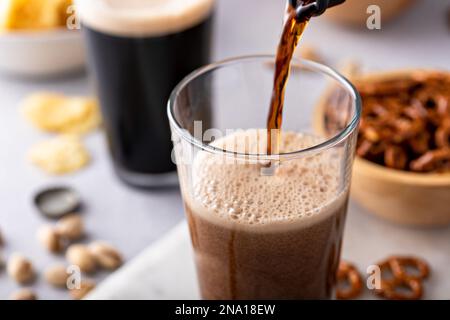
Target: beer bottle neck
[(313, 8)]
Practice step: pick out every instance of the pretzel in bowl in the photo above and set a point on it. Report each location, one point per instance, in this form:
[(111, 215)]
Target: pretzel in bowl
[(405, 122)]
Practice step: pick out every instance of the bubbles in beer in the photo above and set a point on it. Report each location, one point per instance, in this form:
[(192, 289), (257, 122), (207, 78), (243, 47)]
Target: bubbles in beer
[(239, 193)]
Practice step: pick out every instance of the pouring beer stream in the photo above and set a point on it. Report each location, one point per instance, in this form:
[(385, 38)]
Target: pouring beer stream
[(298, 14)]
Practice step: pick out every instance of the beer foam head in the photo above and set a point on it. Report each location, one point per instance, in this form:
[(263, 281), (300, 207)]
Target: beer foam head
[(142, 17), (299, 189)]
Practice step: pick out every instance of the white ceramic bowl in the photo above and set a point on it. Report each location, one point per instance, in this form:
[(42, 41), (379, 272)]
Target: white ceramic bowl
[(41, 53)]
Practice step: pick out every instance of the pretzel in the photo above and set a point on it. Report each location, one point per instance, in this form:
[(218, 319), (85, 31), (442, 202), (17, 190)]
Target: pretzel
[(405, 123), (408, 125), (399, 267), (432, 161), (364, 148), (420, 143), (443, 106), (395, 157), (401, 278), (442, 136), (348, 275), (391, 290)]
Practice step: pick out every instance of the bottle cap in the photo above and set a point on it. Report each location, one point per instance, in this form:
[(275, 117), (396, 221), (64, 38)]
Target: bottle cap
[(56, 202)]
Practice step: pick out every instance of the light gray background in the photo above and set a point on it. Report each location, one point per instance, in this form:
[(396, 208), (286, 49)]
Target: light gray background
[(133, 219)]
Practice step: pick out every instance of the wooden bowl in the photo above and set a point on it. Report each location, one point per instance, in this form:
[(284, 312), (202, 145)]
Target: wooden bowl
[(354, 12), (402, 197), (414, 199)]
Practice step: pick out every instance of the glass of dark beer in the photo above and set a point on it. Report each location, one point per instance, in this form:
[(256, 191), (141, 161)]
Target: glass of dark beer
[(138, 51), (265, 226)]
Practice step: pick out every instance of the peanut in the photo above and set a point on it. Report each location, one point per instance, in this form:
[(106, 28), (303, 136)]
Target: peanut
[(20, 269), (57, 276), (71, 227), (23, 294), (50, 239), (81, 256), (106, 255), (85, 287)]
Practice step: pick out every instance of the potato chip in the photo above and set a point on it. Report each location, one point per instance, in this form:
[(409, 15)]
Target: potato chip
[(62, 7), (33, 14), (86, 124), (56, 113), (61, 155)]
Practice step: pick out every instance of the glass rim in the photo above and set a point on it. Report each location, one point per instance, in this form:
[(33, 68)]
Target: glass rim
[(313, 66)]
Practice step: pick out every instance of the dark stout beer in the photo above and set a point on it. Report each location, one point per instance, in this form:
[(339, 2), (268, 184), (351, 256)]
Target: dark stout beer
[(258, 240), (139, 50), (258, 237), (294, 26)]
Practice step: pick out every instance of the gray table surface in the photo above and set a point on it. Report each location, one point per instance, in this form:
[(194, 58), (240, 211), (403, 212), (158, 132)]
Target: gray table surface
[(133, 219)]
